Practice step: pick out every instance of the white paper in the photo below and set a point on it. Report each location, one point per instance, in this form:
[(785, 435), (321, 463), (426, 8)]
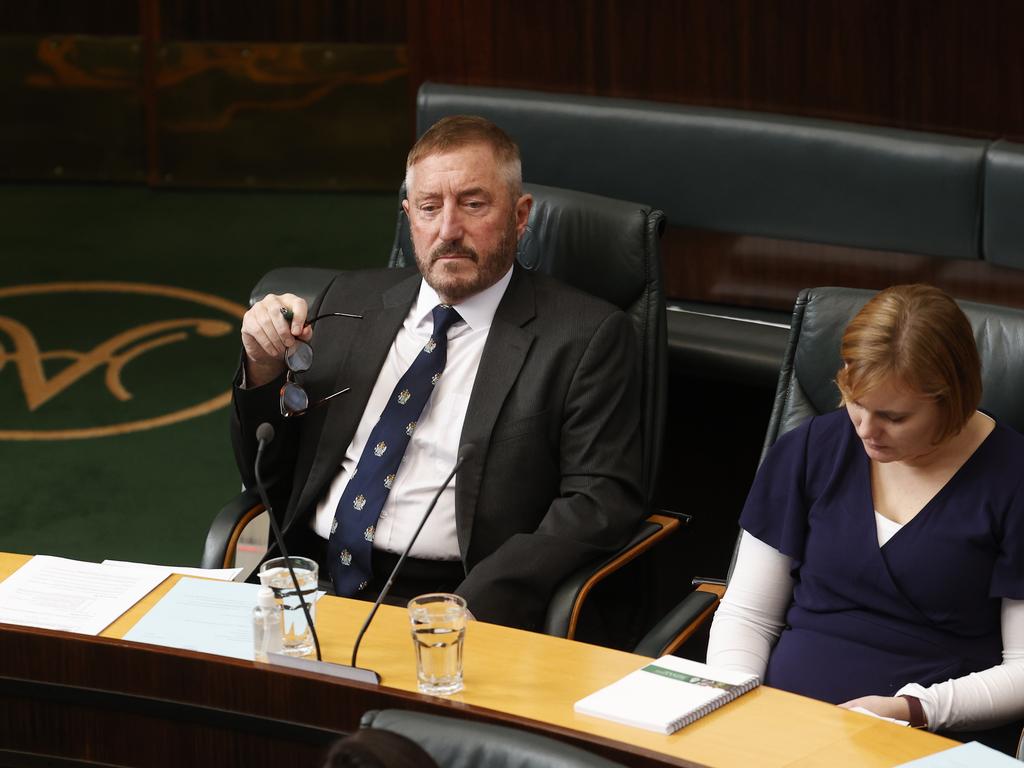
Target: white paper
[(969, 755), (655, 698), (197, 615), (70, 595), (206, 616), (221, 574), (863, 711)]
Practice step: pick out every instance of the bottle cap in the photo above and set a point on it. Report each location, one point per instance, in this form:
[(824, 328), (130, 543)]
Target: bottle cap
[(265, 597)]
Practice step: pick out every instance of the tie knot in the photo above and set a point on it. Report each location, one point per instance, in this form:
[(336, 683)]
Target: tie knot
[(444, 318)]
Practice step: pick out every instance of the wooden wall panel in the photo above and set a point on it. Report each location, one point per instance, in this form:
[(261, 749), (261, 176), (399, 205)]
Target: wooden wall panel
[(935, 65), (71, 109), (942, 65), (311, 116), (69, 17), (723, 268), (207, 92), (334, 21), (328, 21)]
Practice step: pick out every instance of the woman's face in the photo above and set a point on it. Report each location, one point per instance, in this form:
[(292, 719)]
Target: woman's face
[(895, 423)]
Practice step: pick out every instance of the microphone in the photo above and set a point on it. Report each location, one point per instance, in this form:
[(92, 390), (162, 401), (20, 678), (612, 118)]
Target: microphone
[(265, 435), (464, 453)]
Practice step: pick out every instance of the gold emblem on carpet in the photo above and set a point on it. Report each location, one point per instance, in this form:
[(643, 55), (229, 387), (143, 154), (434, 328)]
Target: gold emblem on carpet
[(93, 359)]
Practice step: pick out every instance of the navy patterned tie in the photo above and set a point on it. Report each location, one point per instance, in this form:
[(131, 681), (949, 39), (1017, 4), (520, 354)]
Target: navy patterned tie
[(350, 546)]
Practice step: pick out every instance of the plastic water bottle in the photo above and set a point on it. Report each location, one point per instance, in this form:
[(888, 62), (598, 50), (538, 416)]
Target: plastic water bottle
[(267, 624)]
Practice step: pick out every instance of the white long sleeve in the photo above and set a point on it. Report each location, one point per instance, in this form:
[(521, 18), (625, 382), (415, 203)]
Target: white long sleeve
[(752, 613), (981, 699)]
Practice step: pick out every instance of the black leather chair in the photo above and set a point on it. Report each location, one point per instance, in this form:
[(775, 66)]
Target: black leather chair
[(455, 743), (806, 388), (606, 247)]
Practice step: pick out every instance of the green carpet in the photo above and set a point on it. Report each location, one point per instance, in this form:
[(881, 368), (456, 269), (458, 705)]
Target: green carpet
[(141, 367)]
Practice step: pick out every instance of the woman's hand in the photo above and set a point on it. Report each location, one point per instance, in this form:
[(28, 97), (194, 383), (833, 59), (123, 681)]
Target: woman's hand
[(895, 707)]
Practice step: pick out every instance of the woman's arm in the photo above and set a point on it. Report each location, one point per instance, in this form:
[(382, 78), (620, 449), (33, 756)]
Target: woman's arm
[(752, 613), (981, 699)]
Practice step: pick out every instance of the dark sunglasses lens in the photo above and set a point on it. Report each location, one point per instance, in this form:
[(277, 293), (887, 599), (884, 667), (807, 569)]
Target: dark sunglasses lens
[(293, 399), (299, 357)]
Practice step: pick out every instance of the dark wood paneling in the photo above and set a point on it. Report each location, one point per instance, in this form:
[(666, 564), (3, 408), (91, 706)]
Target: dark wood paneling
[(71, 108), (723, 268), (942, 65), (338, 21), (328, 116), (328, 21), (69, 17), (309, 116), (938, 65), (114, 702)]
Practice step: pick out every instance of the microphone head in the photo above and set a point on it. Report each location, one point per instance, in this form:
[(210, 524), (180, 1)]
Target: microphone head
[(466, 451), (264, 432)]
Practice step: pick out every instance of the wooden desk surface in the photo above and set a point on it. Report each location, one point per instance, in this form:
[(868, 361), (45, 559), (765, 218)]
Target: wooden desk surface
[(537, 677)]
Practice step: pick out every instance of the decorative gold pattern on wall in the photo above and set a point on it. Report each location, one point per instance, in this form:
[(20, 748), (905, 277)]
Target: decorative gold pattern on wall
[(292, 115)]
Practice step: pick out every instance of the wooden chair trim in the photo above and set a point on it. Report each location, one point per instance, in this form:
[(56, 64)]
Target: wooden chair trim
[(667, 526), (231, 548), (718, 590), (691, 629)]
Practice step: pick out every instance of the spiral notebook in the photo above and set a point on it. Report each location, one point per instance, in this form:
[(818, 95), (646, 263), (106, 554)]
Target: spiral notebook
[(667, 694)]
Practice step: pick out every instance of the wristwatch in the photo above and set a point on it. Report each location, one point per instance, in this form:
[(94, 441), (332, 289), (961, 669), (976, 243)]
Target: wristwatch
[(917, 718)]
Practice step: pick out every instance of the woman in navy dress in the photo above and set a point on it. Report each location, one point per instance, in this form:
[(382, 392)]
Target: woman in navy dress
[(882, 559)]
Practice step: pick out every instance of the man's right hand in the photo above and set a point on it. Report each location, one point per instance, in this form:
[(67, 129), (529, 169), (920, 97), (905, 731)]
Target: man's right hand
[(267, 334)]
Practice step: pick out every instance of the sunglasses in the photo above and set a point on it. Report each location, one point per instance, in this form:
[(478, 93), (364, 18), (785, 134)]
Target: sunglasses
[(299, 358)]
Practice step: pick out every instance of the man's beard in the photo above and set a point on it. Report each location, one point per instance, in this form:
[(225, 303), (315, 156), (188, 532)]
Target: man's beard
[(445, 278)]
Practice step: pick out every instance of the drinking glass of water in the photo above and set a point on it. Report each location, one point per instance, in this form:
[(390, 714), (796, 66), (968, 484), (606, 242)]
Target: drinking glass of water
[(438, 630), (297, 639)]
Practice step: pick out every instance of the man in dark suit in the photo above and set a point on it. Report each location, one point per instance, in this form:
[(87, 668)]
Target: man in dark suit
[(540, 379)]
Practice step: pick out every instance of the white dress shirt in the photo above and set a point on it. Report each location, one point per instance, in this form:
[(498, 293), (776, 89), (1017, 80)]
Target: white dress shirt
[(434, 445)]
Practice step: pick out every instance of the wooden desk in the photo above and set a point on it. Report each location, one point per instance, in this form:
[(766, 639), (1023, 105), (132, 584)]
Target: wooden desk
[(172, 704)]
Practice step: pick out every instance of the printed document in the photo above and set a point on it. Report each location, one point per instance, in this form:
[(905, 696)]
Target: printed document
[(221, 574), (70, 595), (197, 615)]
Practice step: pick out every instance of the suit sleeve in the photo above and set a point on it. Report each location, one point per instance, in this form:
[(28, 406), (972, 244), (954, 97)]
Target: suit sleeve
[(599, 502), (249, 409)]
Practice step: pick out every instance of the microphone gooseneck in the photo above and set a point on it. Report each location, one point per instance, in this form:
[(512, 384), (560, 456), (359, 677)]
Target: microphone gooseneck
[(464, 453), (265, 434)]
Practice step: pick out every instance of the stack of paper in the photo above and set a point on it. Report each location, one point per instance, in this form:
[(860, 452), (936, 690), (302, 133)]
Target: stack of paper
[(72, 596)]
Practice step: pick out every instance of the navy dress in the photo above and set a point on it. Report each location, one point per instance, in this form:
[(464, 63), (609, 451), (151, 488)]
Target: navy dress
[(923, 608)]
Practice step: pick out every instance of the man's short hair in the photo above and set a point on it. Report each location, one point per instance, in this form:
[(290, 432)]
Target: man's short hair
[(919, 335), (458, 131)]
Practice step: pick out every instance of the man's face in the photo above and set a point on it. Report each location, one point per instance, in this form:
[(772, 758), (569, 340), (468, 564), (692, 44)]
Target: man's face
[(464, 223)]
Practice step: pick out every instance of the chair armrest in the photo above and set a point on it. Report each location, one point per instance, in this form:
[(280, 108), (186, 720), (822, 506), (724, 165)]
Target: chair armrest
[(567, 600), (305, 282), (227, 526), (681, 622)]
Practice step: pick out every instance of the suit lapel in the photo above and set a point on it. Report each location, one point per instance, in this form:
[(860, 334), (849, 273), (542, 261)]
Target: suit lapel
[(358, 363), (502, 360)]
